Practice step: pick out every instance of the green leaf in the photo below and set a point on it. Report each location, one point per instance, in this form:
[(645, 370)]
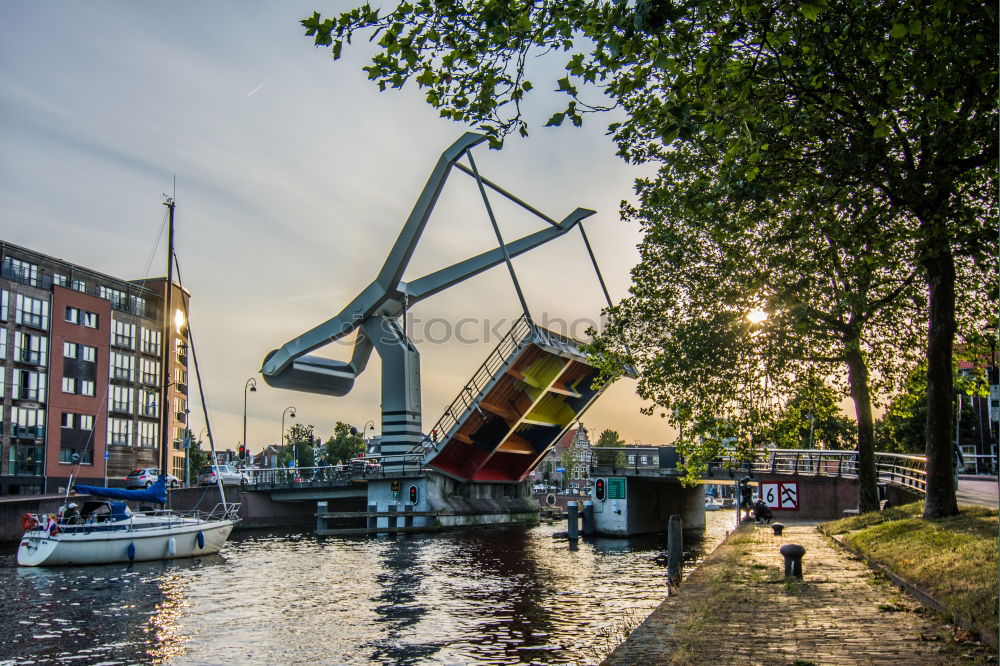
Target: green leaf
[(898, 30), (556, 119)]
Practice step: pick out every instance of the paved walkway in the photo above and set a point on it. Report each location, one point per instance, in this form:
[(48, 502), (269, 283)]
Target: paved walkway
[(736, 608)]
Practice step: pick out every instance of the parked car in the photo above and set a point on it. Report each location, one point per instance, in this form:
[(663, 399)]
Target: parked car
[(146, 476), (209, 474)]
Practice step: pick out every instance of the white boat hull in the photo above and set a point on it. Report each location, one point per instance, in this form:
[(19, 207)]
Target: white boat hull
[(138, 541)]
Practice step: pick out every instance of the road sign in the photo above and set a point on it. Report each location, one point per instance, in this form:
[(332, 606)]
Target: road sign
[(781, 495), (106, 456), (616, 488), (394, 486)]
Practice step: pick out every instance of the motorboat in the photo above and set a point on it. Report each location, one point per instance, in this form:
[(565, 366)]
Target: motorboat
[(712, 503)]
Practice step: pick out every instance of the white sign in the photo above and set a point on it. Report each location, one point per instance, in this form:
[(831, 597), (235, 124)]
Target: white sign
[(780, 495)]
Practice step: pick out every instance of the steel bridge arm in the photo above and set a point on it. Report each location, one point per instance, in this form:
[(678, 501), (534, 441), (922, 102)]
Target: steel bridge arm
[(437, 281)]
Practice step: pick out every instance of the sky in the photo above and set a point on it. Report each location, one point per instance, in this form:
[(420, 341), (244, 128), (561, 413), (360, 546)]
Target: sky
[(293, 177)]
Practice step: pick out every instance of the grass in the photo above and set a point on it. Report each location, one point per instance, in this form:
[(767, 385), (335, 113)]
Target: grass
[(953, 559)]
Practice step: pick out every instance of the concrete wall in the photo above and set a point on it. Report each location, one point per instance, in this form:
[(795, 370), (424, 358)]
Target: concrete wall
[(820, 497), (647, 508)]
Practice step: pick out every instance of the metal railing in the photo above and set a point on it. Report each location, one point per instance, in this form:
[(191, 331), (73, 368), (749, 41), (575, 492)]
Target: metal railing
[(480, 379), (896, 468), (333, 475)]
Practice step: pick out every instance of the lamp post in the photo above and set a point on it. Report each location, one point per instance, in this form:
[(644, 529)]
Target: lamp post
[(251, 386), (282, 440)]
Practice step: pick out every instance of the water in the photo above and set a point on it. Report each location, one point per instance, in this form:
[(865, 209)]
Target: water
[(485, 596)]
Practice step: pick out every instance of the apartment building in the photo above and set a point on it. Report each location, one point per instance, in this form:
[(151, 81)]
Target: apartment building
[(82, 356)]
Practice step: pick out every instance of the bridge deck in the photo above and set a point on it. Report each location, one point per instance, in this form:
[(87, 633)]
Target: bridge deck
[(526, 395)]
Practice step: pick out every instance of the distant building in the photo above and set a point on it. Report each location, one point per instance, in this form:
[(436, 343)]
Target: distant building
[(986, 410), (81, 361), (578, 442)]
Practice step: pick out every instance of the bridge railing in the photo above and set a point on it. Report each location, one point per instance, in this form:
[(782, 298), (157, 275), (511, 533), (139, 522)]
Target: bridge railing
[(329, 475), (480, 379), (895, 468)]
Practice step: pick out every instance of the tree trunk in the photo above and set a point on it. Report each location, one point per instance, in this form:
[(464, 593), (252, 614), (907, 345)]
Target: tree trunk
[(940, 500), (857, 373)]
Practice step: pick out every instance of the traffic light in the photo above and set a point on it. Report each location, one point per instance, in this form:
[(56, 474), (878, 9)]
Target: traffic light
[(600, 490), (413, 494)]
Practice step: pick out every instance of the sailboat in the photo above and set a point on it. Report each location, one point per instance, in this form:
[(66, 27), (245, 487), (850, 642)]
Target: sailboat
[(105, 530)]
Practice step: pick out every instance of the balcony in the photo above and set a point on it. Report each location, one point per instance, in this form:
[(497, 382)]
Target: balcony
[(122, 374), (180, 417), (149, 410), (125, 341), (32, 394), (30, 357), (118, 439), (30, 319), (153, 350), (27, 432), (182, 358), (150, 379), (181, 387), (121, 407), (16, 468)]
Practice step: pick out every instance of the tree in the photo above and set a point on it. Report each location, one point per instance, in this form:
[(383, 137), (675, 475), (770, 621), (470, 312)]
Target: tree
[(299, 446), (345, 443), (196, 457), (893, 98), (610, 439), (812, 419)]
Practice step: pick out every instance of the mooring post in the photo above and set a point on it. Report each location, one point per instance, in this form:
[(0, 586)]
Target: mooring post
[(572, 529), (675, 549), (589, 527), (321, 508), (372, 519), (792, 552)]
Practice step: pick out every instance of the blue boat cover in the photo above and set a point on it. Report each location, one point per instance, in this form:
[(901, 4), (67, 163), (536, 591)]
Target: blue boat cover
[(155, 493)]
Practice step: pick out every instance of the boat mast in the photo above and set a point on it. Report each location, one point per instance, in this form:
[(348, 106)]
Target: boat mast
[(167, 338)]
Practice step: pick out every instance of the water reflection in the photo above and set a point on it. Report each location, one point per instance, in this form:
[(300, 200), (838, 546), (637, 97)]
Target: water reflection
[(498, 596)]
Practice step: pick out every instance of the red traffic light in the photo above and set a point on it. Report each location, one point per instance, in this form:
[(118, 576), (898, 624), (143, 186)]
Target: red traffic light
[(413, 494), (600, 490)]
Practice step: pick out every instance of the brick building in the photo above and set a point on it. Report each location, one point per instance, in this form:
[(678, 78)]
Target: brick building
[(82, 358)]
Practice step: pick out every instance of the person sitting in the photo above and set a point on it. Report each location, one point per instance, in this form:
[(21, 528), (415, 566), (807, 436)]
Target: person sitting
[(72, 514), (761, 512)]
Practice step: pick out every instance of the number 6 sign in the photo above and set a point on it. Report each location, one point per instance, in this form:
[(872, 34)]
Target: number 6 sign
[(781, 495)]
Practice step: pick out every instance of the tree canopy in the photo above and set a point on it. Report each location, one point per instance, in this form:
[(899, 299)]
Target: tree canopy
[(892, 102), (345, 443)]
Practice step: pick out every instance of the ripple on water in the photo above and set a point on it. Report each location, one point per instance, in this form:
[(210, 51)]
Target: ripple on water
[(490, 596)]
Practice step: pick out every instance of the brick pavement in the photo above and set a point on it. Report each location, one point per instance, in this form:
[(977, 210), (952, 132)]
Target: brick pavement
[(736, 608)]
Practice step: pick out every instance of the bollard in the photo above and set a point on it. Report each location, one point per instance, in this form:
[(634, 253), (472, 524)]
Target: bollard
[(588, 519), (572, 528), (792, 552), (321, 509), (675, 549), (777, 527)]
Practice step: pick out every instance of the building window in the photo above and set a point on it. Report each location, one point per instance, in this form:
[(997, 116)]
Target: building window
[(138, 306), (122, 334), (119, 300), (32, 312), (122, 367), (3, 385), (89, 319), (69, 350), (148, 433), (120, 399), (181, 377), (31, 349), (180, 407), (59, 279), (3, 343), (89, 354), (69, 384), (85, 421), (22, 271), (181, 348), (149, 371), (27, 422), (79, 285), (4, 304), (67, 419), (86, 387), (150, 341), (150, 403), (86, 455), (119, 432), (72, 315), (28, 385)]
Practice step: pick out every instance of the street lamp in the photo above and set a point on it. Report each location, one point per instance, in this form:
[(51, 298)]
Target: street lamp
[(251, 386), (282, 440)]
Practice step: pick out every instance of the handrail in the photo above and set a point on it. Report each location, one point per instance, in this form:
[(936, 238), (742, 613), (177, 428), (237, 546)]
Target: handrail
[(518, 332), (897, 468)]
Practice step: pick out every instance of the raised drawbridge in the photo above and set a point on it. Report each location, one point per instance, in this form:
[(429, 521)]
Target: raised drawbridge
[(529, 391)]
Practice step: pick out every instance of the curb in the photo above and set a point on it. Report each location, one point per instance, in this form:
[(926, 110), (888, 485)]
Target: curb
[(923, 597)]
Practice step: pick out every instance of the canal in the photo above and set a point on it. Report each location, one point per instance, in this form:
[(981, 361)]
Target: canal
[(484, 596)]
